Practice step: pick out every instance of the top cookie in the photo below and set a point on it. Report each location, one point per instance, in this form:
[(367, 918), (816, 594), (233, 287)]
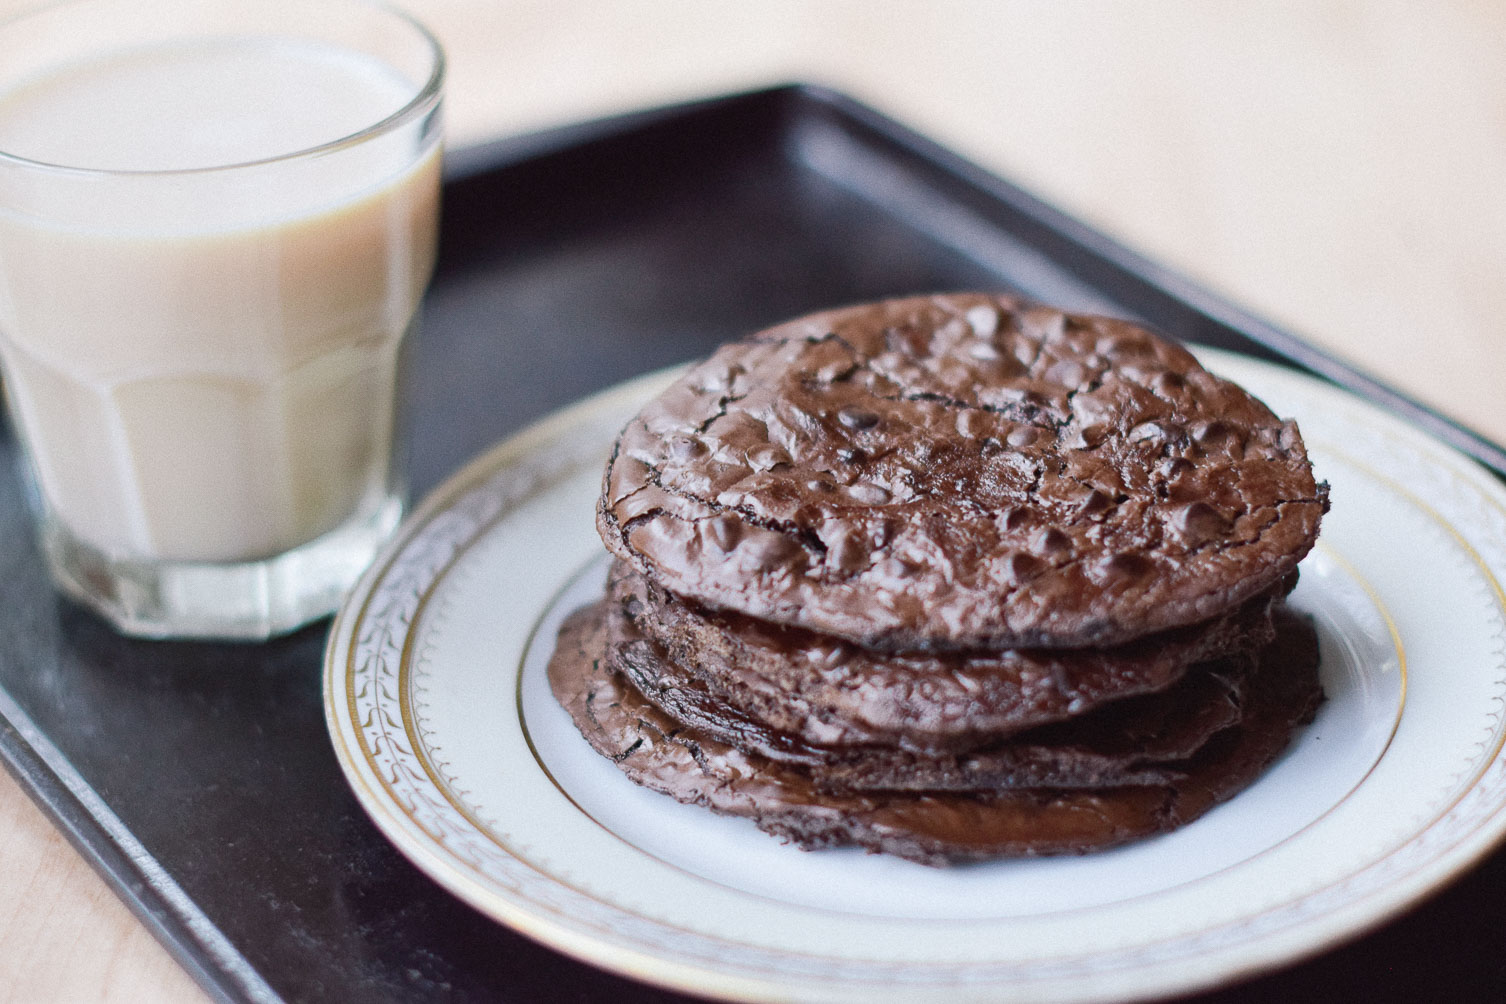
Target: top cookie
[(960, 471)]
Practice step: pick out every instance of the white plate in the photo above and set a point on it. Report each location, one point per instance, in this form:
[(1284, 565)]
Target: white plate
[(445, 727)]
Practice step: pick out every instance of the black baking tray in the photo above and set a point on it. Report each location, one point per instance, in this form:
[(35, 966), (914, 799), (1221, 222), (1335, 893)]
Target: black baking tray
[(199, 779)]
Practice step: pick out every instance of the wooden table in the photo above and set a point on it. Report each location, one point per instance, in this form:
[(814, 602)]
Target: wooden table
[(1339, 167)]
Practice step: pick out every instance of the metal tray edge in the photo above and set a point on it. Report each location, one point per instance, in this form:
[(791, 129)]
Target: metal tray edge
[(104, 841)]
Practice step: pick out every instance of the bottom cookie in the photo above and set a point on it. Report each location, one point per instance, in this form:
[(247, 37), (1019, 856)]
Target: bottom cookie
[(933, 828)]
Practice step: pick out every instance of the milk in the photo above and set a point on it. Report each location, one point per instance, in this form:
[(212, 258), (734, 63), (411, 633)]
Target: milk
[(203, 363)]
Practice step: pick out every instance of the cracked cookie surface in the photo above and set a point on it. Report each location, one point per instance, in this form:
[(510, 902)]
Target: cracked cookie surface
[(961, 471)]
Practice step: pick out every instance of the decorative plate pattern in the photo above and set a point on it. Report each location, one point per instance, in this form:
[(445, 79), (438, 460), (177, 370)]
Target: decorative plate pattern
[(443, 723)]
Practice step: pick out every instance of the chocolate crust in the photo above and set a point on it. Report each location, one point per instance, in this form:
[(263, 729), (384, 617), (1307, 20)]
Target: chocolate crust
[(828, 692), (933, 828), (961, 471)]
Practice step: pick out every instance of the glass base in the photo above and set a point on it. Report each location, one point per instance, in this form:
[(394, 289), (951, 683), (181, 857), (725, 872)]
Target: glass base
[(238, 601)]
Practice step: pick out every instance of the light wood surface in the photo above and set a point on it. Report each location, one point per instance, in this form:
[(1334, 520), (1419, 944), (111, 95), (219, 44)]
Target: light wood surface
[(1339, 167)]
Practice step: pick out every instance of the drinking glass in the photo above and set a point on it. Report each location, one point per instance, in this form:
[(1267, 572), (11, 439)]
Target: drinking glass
[(217, 221)]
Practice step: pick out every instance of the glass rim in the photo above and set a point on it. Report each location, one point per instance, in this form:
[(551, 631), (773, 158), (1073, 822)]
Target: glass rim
[(427, 95)]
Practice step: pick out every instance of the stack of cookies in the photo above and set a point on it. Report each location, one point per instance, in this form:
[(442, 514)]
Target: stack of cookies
[(949, 577)]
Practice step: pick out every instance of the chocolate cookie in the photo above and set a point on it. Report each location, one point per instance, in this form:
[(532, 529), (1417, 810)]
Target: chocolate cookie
[(829, 692), (1136, 741), (934, 828), (957, 472)]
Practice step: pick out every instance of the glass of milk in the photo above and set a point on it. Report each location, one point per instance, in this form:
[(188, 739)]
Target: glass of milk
[(216, 223)]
